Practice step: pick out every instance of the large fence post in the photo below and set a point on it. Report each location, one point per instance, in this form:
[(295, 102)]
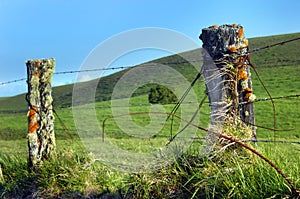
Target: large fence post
[(41, 139), (228, 82)]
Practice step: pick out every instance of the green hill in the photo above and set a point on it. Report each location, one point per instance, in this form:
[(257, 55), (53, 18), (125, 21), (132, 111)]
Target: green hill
[(282, 55)]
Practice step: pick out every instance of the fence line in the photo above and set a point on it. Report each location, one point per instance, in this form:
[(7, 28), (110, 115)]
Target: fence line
[(92, 70), (140, 136), (12, 81), (147, 136), (273, 45), (126, 67), (146, 105), (102, 69)]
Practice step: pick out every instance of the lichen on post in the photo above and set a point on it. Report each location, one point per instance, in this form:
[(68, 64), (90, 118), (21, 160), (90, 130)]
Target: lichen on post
[(41, 138), (228, 83)]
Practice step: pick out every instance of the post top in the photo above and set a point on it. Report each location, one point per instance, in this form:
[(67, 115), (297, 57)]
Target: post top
[(224, 39)]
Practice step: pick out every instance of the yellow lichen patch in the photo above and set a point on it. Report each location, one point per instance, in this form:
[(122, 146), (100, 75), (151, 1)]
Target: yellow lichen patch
[(232, 48), (238, 61), (252, 98), (242, 75), (39, 143), (241, 32), (244, 84), (33, 126)]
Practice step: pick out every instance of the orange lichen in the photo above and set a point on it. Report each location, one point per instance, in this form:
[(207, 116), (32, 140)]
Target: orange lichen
[(248, 93), (247, 96), (242, 75), (234, 25), (241, 32), (232, 48), (31, 114), (37, 63), (33, 126), (215, 26), (246, 42), (35, 74), (248, 90)]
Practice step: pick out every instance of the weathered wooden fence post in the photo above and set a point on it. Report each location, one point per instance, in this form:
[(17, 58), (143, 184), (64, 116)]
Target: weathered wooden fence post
[(41, 139), (228, 83)]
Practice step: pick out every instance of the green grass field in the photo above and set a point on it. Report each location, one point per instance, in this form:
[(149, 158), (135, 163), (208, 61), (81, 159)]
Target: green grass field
[(76, 173)]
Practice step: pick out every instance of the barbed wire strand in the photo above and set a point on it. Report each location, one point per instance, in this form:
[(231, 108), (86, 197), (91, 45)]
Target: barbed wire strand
[(92, 70), (230, 138), (273, 45), (126, 67), (12, 81), (189, 122)]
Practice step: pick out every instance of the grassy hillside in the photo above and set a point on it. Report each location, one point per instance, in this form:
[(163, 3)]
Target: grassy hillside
[(278, 56), (282, 55), (278, 68)]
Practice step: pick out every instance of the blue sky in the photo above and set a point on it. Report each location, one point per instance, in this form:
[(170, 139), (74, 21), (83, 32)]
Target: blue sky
[(68, 30)]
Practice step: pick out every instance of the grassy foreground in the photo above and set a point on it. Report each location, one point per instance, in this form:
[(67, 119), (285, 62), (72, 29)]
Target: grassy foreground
[(72, 175), (75, 173)]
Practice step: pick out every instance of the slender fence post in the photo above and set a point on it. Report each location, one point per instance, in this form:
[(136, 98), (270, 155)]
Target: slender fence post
[(41, 138), (228, 82)]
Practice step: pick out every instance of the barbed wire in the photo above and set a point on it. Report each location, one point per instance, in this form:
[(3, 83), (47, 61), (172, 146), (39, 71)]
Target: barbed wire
[(12, 81), (103, 69), (92, 70), (273, 45), (126, 67), (273, 98), (70, 72), (280, 97)]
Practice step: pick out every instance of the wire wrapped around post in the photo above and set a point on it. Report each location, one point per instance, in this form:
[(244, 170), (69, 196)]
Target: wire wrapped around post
[(228, 82), (41, 138)]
